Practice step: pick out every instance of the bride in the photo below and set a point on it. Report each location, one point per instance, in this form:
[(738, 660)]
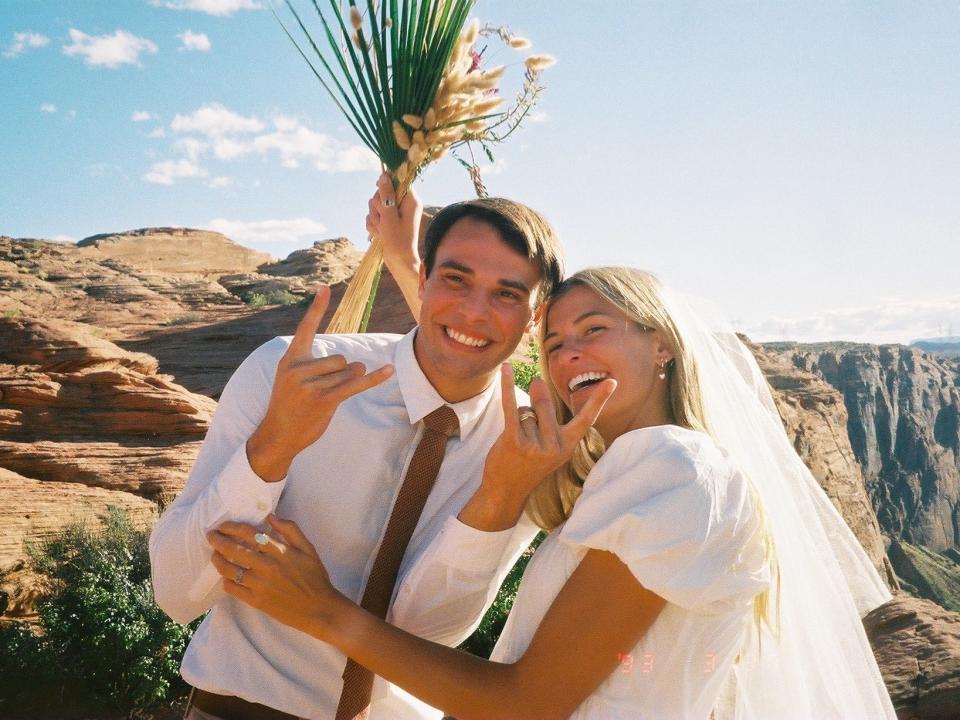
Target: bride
[(693, 567)]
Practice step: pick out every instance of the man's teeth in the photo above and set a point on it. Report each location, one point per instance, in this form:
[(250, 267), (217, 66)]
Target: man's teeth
[(584, 379), (466, 339)]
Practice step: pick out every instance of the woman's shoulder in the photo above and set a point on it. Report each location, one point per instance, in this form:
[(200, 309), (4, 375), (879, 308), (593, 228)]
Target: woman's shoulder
[(668, 453)]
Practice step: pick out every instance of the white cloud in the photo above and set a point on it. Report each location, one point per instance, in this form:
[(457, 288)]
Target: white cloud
[(214, 120), (227, 136), (48, 108), (894, 320), (294, 230), (537, 116), (294, 142), (210, 7), (112, 51), (230, 149), (157, 133), (63, 239), (194, 41), (142, 116), (220, 181), (168, 171), (23, 41), (71, 113), (191, 147)]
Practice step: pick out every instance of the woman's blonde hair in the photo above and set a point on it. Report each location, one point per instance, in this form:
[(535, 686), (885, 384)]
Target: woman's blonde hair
[(639, 296)]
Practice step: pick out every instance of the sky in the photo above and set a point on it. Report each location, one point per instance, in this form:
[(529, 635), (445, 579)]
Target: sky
[(797, 163)]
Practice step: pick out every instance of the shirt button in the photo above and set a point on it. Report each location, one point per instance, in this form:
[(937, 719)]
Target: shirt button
[(262, 506)]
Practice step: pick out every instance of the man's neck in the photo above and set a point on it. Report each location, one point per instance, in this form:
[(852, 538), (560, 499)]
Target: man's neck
[(452, 390)]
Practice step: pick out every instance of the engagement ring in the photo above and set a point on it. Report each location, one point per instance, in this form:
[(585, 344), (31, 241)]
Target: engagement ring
[(261, 539), (238, 576), (527, 415), (389, 202)]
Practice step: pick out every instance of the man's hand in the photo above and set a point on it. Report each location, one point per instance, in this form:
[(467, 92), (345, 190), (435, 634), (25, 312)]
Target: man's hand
[(306, 393), (533, 444), (397, 226)]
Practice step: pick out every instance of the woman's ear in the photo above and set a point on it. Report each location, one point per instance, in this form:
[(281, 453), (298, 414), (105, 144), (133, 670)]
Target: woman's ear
[(664, 351)]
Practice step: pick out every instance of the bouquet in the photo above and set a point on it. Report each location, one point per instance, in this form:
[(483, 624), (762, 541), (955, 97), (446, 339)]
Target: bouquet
[(407, 76)]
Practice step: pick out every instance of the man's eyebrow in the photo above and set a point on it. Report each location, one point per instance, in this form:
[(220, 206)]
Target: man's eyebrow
[(506, 282), (587, 314)]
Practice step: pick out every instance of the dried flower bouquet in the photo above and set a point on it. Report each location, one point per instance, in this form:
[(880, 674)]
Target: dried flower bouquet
[(406, 76)]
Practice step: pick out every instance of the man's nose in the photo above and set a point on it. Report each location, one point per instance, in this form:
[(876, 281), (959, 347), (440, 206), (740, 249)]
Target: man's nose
[(475, 305)]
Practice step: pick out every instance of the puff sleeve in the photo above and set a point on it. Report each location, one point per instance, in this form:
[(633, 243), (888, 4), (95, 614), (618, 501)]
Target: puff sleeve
[(672, 506)]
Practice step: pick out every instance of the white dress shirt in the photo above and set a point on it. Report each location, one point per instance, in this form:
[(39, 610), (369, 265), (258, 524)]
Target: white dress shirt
[(672, 506), (340, 491)]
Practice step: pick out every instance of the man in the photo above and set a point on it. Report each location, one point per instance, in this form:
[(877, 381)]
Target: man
[(305, 432)]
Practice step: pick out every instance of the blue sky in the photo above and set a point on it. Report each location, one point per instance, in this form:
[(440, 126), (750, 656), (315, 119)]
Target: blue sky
[(796, 162)]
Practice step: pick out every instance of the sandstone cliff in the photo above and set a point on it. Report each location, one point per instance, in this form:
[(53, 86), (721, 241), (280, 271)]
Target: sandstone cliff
[(904, 427), (917, 645), (175, 250)]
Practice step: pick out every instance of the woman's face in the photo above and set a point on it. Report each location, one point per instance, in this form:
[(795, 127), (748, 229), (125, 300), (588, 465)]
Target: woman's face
[(588, 340)]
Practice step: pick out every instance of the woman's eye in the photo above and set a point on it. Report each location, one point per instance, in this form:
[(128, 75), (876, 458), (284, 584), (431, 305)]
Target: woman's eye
[(552, 348), (594, 329)]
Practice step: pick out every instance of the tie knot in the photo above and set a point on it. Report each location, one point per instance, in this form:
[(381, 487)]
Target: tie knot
[(443, 420)]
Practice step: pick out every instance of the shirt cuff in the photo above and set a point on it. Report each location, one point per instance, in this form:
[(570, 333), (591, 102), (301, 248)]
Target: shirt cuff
[(246, 497), (466, 548)]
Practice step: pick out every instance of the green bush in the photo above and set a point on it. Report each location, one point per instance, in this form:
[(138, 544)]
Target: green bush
[(273, 297), (524, 372), (102, 644)]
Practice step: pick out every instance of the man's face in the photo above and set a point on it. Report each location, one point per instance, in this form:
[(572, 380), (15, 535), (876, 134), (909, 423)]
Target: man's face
[(477, 302)]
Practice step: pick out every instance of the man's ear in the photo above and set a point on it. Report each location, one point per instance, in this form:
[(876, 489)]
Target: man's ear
[(536, 317), (422, 280)]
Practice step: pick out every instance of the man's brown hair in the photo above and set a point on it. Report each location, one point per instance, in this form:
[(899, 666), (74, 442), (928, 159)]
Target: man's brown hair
[(521, 228)]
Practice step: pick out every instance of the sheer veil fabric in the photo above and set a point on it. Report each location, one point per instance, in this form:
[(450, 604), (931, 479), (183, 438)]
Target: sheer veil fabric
[(817, 661)]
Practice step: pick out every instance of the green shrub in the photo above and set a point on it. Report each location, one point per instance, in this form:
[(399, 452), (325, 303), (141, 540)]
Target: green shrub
[(185, 319), (526, 372), (103, 644), (273, 297)]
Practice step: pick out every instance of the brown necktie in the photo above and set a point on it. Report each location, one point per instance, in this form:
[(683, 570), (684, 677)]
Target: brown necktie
[(424, 466)]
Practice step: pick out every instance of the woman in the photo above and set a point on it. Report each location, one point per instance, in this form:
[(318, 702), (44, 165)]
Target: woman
[(693, 566)]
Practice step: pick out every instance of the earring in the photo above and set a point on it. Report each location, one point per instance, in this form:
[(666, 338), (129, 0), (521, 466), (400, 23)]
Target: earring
[(663, 370)]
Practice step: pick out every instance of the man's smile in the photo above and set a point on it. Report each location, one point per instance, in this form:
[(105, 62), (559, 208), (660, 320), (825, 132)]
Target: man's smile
[(465, 339)]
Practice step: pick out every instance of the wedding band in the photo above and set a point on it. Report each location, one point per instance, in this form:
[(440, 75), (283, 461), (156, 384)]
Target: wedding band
[(261, 539), (238, 576), (389, 202), (527, 415)]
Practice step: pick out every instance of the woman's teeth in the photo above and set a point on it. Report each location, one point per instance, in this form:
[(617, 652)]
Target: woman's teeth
[(584, 379)]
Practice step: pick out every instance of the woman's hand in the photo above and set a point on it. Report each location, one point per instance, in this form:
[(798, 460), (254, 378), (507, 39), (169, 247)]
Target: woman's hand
[(279, 574), (533, 444), (397, 226)]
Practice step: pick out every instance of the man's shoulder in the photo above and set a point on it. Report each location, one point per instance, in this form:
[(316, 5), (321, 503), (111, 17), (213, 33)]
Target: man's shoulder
[(354, 345)]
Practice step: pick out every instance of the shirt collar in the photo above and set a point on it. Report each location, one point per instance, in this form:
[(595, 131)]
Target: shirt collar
[(421, 398)]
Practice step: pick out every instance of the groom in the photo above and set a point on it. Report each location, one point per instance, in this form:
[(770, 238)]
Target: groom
[(321, 429)]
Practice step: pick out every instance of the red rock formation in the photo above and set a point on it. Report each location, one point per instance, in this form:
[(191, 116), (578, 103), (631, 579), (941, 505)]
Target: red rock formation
[(917, 645)]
